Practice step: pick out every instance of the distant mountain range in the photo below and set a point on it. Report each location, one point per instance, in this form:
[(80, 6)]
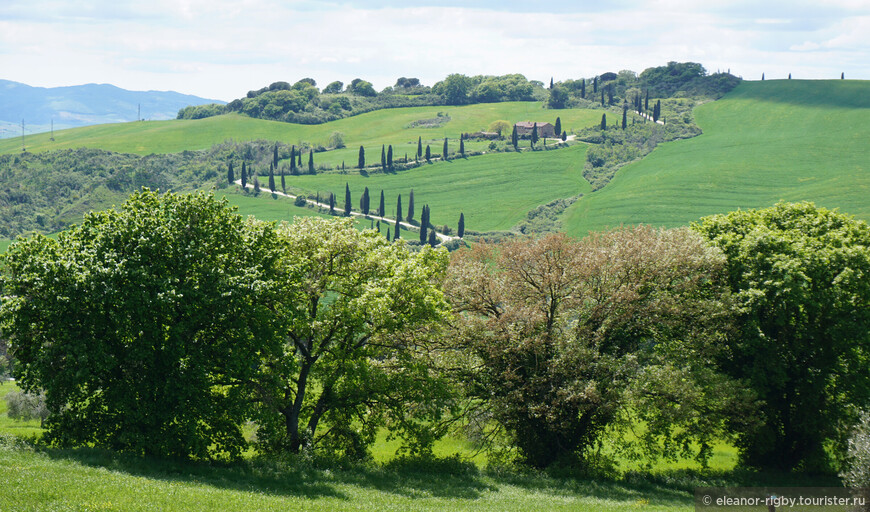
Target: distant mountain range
[(82, 105)]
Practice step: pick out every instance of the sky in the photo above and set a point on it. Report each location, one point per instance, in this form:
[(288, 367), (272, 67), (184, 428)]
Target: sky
[(220, 49)]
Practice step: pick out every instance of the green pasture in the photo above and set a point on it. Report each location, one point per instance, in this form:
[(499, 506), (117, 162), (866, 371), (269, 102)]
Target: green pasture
[(494, 191), (767, 141), (389, 126)]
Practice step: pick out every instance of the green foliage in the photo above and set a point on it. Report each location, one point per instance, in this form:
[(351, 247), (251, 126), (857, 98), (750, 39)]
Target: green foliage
[(857, 472), (799, 274), (689, 77), (202, 111), (569, 337), (335, 386), (168, 294), (23, 406)]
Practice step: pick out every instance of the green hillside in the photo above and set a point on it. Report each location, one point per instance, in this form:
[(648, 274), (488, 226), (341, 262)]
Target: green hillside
[(765, 141), (493, 191), (373, 129)]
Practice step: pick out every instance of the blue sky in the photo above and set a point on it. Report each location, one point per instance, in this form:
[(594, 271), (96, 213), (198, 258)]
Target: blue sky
[(223, 48)]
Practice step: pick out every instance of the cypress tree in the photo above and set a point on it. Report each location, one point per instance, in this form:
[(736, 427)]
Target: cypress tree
[(428, 154), (461, 228), (299, 157), (244, 175), (398, 234), (381, 209), (534, 137), (843, 75), (331, 203), (230, 175), (602, 97), (346, 200), (657, 111), (624, 115), (595, 85), (762, 77), (646, 101), (292, 159), (311, 162), (461, 145), (583, 88), (362, 158), (603, 121), (419, 147), (551, 82), (433, 238), (444, 152), (275, 157), (610, 94), (383, 158), (399, 209), (564, 136), (789, 76), (256, 184), (364, 202), (378, 225), (557, 129), (390, 158), (515, 139), (271, 178), (283, 184), (410, 206), (424, 223)]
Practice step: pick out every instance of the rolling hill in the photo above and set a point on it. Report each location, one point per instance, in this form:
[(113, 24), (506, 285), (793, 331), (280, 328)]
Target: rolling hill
[(765, 141), (83, 105)]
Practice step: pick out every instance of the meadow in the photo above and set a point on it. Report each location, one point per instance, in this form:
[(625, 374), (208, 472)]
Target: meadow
[(37, 478), (766, 141)]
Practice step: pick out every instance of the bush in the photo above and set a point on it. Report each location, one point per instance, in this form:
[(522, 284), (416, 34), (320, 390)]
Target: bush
[(301, 200), (858, 459), (23, 406)]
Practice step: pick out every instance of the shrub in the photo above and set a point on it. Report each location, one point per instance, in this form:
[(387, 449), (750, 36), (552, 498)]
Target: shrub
[(23, 406), (301, 200), (858, 459)]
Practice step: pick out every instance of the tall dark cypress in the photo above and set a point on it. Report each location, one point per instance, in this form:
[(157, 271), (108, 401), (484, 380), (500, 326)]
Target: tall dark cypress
[(461, 145), (299, 159), (364, 206), (230, 175), (275, 157), (256, 183), (433, 238), (399, 209), (444, 151), (557, 129), (398, 234), (428, 153), (646, 101), (383, 158), (381, 209), (292, 159), (346, 200), (424, 223), (603, 121), (595, 85), (390, 158), (311, 162), (331, 203), (419, 147), (271, 178), (534, 134), (583, 88), (283, 183), (624, 115), (244, 175), (362, 158), (461, 228), (515, 139), (602, 97), (411, 206)]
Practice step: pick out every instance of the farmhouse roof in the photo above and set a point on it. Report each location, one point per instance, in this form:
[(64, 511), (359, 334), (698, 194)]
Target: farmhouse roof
[(530, 124)]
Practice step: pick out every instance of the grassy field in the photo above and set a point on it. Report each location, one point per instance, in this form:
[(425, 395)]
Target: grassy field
[(371, 130), (494, 191), (765, 141)]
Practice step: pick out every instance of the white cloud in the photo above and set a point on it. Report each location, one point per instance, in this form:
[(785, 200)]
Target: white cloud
[(223, 48)]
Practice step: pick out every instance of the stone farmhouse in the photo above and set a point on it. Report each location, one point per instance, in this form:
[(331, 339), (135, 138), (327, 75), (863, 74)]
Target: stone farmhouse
[(524, 129)]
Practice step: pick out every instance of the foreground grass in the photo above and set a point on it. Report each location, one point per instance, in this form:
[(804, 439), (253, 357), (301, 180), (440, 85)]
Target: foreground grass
[(47, 479), (765, 141)]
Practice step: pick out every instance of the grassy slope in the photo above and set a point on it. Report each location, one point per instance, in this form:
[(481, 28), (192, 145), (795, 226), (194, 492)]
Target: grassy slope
[(765, 141), (372, 130), (493, 191)]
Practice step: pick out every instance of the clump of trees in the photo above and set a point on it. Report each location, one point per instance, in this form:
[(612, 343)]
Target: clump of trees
[(322, 335)]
